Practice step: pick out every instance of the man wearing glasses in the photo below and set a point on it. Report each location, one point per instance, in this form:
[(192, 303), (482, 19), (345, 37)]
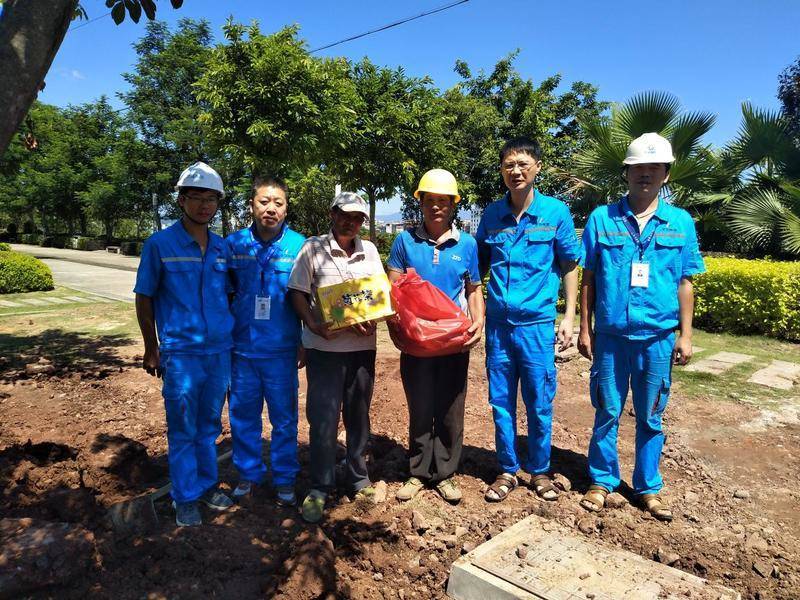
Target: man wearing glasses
[(340, 365), (181, 293), (527, 243)]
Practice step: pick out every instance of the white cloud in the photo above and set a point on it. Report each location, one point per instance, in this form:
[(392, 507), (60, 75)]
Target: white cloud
[(75, 74)]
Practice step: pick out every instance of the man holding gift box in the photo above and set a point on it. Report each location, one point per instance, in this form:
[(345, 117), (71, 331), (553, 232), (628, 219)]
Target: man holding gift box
[(437, 386), (340, 365)]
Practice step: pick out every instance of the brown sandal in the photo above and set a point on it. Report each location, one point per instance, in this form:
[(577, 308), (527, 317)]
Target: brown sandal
[(656, 507), (595, 499), (501, 487), (544, 488)]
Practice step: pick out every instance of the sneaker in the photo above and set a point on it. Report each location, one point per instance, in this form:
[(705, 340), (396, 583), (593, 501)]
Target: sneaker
[(409, 489), (243, 489), (286, 495), (313, 506), (216, 500), (187, 514), (449, 490)]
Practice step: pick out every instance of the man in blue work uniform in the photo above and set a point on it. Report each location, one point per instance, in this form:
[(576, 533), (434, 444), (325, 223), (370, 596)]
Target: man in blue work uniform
[(266, 337), (181, 290), (639, 256), (527, 242)]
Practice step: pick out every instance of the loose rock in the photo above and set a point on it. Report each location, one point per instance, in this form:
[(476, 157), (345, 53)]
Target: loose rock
[(418, 522), (763, 568), (381, 491), (468, 547), (522, 552), (741, 494), (666, 557), (586, 525), (561, 482), (615, 500)]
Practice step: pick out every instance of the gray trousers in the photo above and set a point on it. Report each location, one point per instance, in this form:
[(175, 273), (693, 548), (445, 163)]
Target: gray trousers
[(339, 382)]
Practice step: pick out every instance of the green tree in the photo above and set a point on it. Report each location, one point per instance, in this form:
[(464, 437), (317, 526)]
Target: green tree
[(310, 196), (270, 105), (400, 131), (31, 32), (789, 95), (763, 201), (487, 109), (596, 171)]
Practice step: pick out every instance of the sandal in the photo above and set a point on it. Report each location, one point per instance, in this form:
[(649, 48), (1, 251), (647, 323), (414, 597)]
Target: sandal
[(544, 488), (449, 490), (501, 487), (595, 499), (656, 507)]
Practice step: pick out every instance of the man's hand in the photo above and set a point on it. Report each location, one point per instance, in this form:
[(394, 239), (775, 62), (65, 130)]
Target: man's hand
[(321, 329), (364, 329), (682, 353), (586, 343), (564, 336), (151, 362), (475, 330), (301, 357)]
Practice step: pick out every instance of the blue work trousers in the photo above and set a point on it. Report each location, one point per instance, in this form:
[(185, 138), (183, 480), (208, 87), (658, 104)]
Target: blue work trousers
[(194, 393), (646, 367), (523, 353), (255, 380)]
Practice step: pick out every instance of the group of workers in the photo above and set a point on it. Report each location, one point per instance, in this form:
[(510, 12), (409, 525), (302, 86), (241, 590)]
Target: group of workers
[(241, 315)]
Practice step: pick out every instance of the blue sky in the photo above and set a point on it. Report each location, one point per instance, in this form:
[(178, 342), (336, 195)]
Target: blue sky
[(713, 54)]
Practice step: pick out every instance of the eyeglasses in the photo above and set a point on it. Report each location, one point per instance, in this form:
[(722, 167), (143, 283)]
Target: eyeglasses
[(522, 166), (202, 199)]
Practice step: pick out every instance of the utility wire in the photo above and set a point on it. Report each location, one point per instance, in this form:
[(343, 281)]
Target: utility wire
[(391, 25), (73, 28)]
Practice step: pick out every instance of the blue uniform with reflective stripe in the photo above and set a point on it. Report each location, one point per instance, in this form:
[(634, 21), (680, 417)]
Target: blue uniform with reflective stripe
[(634, 329), (448, 266), (188, 290), (262, 269), (265, 354), (523, 260), (609, 251)]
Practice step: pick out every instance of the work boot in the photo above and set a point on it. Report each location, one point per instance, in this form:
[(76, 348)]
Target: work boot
[(409, 489), (216, 500), (187, 514)]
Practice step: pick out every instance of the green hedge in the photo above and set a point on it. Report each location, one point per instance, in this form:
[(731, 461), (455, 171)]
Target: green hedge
[(4, 247), (22, 273), (749, 296), (30, 238)]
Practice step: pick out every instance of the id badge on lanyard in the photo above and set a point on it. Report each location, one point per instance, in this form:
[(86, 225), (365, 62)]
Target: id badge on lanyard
[(640, 270), (262, 308)]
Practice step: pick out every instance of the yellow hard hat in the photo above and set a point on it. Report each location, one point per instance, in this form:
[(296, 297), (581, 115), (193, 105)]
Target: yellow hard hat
[(438, 181)]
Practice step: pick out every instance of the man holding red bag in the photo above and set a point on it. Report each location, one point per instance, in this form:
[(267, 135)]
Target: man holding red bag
[(436, 386)]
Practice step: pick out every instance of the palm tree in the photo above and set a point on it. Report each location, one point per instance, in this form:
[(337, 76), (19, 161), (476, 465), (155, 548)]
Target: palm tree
[(596, 176), (763, 207)]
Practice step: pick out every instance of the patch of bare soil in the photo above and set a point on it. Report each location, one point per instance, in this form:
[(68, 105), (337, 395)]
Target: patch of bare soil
[(72, 444)]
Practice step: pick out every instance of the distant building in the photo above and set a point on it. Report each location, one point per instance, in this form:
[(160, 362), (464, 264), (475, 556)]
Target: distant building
[(394, 226)]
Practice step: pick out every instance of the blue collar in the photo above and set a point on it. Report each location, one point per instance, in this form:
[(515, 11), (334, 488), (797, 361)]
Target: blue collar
[(661, 210), (257, 242), (184, 239), (534, 208)]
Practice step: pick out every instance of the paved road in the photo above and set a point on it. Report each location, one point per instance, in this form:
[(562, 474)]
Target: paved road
[(103, 281), (97, 272)]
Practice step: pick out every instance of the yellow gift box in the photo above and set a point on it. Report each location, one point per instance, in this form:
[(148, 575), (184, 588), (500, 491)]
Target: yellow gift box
[(355, 301)]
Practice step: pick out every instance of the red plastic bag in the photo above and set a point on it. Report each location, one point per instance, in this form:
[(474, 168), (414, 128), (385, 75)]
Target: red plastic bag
[(428, 323)]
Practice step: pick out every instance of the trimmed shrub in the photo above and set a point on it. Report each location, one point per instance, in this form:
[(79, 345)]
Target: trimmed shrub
[(4, 247), (86, 243), (22, 273), (131, 248), (749, 296), (30, 238)]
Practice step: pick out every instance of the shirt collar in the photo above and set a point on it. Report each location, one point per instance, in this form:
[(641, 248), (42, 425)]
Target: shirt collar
[(184, 239), (452, 234), (534, 208), (661, 210), (335, 247), (256, 241)]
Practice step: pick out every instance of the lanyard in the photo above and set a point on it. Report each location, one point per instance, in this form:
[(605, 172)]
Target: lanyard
[(641, 244), (264, 258)]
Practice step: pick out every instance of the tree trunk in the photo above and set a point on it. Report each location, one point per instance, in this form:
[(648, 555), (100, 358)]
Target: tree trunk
[(31, 31), (371, 197)]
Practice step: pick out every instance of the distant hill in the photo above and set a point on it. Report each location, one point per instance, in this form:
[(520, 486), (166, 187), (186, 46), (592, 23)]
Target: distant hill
[(390, 218)]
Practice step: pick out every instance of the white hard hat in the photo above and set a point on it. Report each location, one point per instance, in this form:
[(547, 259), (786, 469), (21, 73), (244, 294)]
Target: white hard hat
[(200, 175), (350, 202), (649, 148)]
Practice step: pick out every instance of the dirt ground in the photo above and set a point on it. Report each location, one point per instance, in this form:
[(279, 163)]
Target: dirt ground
[(73, 443)]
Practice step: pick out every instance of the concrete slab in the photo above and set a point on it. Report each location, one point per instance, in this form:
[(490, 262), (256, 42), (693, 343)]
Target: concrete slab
[(525, 562), (78, 299), (719, 363), (32, 301), (780, 375), (9, 304), (698, 349)]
